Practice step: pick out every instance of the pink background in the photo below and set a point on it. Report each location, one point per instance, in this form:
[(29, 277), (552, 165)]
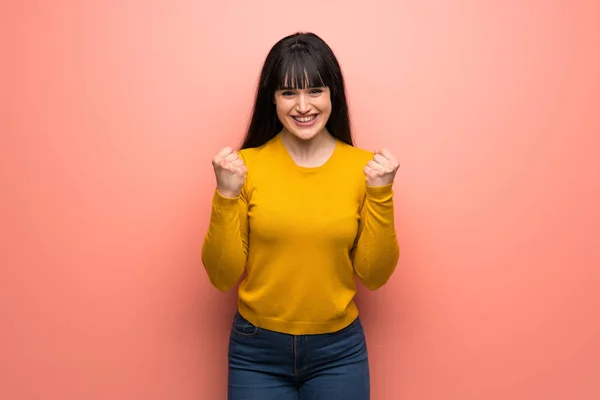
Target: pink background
[(112, 110)]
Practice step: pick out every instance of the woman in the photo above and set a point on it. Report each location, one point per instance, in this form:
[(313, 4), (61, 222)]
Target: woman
[(302, 212)]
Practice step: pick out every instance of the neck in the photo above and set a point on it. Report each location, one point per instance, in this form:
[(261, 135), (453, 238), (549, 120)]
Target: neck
[(309, 153), (307, 149)]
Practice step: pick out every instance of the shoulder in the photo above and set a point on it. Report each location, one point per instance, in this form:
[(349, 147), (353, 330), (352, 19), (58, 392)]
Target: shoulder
[(248, 154), (255, 156), (354, 154), (251, 154)]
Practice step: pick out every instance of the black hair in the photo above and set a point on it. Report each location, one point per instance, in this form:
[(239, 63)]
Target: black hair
[(298, 61)]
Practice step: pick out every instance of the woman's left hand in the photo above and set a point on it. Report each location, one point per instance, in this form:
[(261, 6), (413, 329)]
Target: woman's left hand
[(382, 169)]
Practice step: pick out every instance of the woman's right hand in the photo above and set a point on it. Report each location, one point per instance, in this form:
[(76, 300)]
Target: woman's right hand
[(230, 172)]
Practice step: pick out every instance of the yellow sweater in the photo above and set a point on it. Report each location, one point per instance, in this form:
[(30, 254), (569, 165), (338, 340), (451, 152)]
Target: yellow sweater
[(302, 235)]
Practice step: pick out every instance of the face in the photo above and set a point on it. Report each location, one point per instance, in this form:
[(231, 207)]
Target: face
[(303, 112)]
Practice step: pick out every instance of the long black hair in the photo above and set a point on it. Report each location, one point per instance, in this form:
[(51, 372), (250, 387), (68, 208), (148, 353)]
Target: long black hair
[(300, 60)]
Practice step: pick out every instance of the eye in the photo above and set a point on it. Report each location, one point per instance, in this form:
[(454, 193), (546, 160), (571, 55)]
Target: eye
[(287, 93), (316, 91)]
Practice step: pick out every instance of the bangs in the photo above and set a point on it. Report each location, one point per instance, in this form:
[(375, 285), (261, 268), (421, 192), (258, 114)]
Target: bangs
[(301, 70)]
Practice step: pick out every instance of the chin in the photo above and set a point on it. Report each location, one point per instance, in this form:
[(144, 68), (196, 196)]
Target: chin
[(303, 135)]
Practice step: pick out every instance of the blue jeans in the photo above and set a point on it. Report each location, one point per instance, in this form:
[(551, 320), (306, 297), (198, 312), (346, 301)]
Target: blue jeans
[(268, 365)]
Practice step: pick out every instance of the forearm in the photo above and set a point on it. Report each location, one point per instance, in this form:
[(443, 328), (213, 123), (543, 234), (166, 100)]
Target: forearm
[(224, 251), (377, 252)]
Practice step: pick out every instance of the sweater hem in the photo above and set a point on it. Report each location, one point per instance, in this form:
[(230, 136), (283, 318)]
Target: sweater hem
[(299, 327)]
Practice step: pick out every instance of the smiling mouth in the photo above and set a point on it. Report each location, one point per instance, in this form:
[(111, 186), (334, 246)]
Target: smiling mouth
[(305, 119)]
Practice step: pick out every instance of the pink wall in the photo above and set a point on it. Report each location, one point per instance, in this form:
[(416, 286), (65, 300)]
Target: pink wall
[(111, 112)]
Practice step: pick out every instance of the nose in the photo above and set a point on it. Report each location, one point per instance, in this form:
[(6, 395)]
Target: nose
[(302, 104)]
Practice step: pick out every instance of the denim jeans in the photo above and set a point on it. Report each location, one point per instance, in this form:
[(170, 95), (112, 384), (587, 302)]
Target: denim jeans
[(268, 365)]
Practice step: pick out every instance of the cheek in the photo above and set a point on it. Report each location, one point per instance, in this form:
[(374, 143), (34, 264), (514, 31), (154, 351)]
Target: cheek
[(326, 108), (282, 108), (281, 115), (325, 104)]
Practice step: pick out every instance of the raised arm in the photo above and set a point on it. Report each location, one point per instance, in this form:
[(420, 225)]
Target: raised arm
[(376, 251), (225, 247)]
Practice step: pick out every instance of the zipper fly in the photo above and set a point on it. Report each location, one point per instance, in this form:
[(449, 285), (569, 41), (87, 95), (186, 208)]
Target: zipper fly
[(294, 353)]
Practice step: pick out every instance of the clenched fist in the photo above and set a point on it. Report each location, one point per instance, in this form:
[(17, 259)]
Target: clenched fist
[(382, 169), (230, 172)]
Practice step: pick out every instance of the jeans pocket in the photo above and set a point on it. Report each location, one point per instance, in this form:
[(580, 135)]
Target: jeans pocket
[(242, 326)]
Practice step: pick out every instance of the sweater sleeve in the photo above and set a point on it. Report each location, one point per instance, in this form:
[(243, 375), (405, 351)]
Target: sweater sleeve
[(376, 252), (225, 247)]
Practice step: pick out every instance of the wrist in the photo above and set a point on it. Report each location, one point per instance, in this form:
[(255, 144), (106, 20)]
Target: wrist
[(378, 183), (380, 192), (228, 194)]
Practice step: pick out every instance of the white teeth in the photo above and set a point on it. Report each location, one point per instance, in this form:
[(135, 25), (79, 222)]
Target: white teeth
[(306, 119)]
